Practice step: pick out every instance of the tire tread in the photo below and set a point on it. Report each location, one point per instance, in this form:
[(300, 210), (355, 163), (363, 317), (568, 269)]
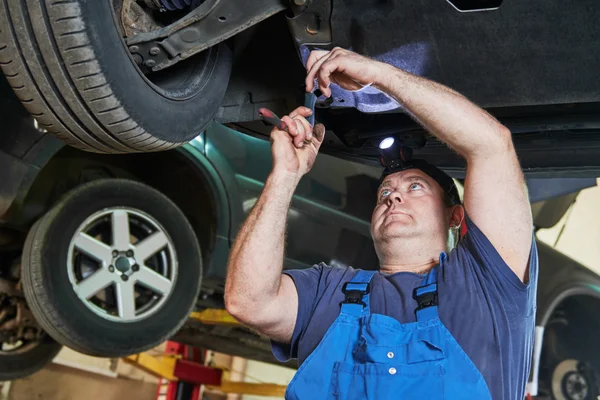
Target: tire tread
[(67, 67)]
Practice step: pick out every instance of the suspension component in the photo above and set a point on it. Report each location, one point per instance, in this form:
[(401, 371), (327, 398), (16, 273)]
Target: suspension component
[(210, 23), (172, 5), (16, 320)]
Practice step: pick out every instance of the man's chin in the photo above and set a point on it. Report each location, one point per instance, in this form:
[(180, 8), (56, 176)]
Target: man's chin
[(397, 229)]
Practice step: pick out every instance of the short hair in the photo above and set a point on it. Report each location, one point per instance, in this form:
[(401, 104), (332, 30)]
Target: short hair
[(449, 201)]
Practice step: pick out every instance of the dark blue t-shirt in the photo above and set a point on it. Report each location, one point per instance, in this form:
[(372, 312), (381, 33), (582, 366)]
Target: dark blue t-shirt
[(484, 305)]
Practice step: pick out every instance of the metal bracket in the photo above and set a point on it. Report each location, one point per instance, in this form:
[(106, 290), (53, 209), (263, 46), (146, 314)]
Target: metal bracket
[(313, 24), (212, 22)]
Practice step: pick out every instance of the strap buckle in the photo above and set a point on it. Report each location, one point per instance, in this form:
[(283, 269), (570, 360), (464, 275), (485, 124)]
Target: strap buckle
[(424, 300), (354, 296)]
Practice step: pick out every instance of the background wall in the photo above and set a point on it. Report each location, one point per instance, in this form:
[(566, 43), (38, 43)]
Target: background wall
[(578, 233)]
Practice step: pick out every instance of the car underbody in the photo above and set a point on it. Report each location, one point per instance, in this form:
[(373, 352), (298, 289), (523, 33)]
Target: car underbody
[(168, 68), (530, 65)]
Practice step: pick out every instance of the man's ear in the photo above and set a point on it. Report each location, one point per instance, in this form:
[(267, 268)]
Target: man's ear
[(457, 216)]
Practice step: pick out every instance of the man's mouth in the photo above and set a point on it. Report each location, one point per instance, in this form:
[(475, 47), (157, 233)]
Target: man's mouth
[(396, 213)]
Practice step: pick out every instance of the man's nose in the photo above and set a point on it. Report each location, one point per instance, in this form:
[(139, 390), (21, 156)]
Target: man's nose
[(395, 197)]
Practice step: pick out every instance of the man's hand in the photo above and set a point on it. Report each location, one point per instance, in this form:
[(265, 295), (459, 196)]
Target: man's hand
[(294, 151), (256, 292), (349, 70)]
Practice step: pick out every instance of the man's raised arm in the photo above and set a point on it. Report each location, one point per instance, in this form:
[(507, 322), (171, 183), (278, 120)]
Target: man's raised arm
[(256, 292), (495, 193)]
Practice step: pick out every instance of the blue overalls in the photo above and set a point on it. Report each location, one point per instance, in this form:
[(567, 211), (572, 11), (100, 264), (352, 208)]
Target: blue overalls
[(373, 356)]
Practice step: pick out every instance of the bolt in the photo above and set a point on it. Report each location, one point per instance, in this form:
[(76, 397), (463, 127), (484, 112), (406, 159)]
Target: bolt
[(314, 25), (135, 267), (129, 253), (134, 49), (150, 63), (137, 59), (154, 51), (111, 269), (115, 253), (124, 277)]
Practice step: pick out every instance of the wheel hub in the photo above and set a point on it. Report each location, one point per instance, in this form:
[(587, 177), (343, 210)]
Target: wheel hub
[(575, 386), (570, 381), (122, 264)]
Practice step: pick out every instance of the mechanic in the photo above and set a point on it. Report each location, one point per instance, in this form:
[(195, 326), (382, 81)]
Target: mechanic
[(437, 319)]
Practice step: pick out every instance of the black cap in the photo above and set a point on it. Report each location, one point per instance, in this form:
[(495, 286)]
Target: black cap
[(443, 179), (396, 157)]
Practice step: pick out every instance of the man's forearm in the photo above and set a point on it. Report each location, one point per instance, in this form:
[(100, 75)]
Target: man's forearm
[(446, 114), (256, 260)]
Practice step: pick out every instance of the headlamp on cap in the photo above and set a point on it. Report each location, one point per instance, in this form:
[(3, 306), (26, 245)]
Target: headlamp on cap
[(393, 154), (396, 157)]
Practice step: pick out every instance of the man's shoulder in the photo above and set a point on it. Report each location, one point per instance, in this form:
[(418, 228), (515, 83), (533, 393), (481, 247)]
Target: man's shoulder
[(344, 272), (333, 268), (324, 273), (337, 271)]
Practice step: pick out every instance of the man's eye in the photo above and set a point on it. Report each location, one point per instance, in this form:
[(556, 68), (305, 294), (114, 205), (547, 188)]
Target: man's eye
[(385, 192), (415, 186)]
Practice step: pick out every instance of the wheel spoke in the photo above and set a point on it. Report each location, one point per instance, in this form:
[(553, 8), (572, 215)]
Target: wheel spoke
[(120, 230), (153, 280), (98, 281), (150, 246), (126, 299), (93, 247)]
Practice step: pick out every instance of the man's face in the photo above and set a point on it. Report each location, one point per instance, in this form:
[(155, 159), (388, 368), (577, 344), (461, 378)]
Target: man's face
[(409, 204)]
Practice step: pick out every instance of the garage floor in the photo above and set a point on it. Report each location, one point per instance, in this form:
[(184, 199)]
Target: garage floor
[(58, 382), (75, 376)]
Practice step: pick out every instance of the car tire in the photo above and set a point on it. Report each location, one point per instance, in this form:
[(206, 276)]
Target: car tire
[(68, 64), (87, 304), (24, 362)]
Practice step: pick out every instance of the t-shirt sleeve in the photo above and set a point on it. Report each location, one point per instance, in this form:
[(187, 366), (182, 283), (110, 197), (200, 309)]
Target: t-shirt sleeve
[(481, 259), (308, 284)]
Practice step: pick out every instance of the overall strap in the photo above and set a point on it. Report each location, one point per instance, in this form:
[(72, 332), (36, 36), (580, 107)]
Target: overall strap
[(426, 296), (357, 292)]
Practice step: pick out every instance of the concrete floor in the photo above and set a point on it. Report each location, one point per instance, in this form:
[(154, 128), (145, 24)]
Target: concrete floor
[(57, 382)]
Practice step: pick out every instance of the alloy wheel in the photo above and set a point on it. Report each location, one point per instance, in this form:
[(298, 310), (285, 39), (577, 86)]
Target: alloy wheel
[(122, 264)]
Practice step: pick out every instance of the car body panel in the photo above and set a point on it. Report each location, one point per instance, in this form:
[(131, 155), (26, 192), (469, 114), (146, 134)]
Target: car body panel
[(24, 150), (560, 277), (195, 151), (324, 207)]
